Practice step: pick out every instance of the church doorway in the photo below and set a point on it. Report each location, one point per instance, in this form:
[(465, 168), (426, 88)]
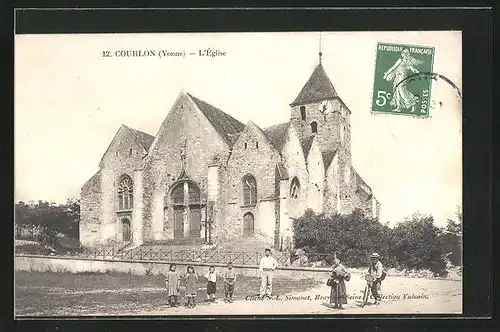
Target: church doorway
[(248, 224), (186, 201), (126, 231)]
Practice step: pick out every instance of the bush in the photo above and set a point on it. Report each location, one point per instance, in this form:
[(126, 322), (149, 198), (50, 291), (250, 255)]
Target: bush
[(412, 244)]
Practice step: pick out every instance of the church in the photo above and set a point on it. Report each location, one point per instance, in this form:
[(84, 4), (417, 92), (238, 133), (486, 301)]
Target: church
[(208, 178)]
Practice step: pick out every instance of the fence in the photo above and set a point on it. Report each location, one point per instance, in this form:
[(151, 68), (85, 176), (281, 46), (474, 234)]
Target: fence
[(202, 256)]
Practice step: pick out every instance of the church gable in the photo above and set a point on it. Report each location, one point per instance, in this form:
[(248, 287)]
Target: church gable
[(253, 154), (316, 169), (128, 146), (293, 158), (253, 139), (186, 128)]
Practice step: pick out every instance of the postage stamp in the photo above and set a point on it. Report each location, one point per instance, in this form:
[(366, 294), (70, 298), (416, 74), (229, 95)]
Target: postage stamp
[(401, 82)]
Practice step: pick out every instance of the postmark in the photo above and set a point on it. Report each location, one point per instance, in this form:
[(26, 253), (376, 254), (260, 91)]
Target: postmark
[(393, 92)]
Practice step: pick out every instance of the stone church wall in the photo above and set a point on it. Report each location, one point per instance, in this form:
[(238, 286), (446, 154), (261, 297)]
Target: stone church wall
[(261, 163), (184, 126), (293, 158), (113, 166), (90, 211)]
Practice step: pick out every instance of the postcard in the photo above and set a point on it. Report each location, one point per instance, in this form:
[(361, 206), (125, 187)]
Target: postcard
[(205, 174)]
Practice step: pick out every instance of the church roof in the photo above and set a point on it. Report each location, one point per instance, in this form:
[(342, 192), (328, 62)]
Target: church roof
[(328, 157), (361, 183), (277, 135), (92, 181), (143, 139), (318, 87), (306, 145), (227, 126)]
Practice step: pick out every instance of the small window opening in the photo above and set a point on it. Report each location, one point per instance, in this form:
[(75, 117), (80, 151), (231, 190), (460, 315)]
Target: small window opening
[(130, 152), (116, 153), (303, 113), (257, 145), (246, 145), (314, 127)]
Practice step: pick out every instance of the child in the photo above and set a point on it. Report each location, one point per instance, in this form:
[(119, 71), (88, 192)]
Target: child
[(229, 279), (172, 281), (211, 284), (191, 288)]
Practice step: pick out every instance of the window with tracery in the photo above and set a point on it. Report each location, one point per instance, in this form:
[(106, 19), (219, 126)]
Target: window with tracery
[(125, 194), (249, 190), (193, 194), (178, 194)]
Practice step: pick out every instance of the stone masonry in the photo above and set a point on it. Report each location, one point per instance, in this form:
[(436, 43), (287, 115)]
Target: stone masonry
[(191, 179)]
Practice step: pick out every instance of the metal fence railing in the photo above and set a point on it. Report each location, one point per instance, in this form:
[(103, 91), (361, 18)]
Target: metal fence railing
[(210, 256)]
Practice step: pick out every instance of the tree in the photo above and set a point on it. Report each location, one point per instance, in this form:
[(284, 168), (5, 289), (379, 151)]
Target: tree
[(451, 238), (415, 244), (49, 218)]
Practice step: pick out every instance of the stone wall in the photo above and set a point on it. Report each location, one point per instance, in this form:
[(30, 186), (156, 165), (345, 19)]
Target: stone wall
[(73, 265), (295, 163), (316, 169), (90, 211), (329, 131), (113, 166), (185, 127), (260, 162)]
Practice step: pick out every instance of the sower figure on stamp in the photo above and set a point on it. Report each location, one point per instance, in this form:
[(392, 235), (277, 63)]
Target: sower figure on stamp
[(267, 266), (402, 98), (338, 293), (376, 270)]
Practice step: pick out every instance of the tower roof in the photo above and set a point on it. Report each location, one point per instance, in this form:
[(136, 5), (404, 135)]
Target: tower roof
[(318, 87)]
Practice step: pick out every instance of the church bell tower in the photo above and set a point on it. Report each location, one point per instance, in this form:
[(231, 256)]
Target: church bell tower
[(318, 110)]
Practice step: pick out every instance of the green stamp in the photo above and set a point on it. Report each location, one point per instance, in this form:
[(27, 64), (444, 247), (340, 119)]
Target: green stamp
[(402, 83)]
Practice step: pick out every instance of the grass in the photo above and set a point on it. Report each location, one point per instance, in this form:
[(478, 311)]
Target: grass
[(114, 293)]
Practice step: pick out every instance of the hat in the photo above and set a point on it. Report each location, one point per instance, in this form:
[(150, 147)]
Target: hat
[(268, 249), (375, 255)]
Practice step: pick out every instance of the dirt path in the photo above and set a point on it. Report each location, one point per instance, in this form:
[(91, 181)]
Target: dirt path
[(401, 296)]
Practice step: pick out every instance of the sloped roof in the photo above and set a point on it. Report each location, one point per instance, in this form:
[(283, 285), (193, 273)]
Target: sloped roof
[(143, 139), (361, 183), (317, 87), (92, 181), (277, 135), (306, 145), (328, 157), (283, 172), (227, 126)]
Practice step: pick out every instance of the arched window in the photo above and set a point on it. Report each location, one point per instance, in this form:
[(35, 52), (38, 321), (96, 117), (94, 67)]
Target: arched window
[(249, 190), (303, 113), (194, 194), (314, 127), (125, 193), (178, 194), (295, 188)]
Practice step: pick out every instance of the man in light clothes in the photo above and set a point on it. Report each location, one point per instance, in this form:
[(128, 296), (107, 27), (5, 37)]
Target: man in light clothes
[(267, 266), (375, 270)]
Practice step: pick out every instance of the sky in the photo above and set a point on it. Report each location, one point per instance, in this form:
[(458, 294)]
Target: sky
[(70, 101)]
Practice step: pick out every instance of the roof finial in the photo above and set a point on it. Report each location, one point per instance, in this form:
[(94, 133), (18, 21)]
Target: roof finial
[(320, 54)]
